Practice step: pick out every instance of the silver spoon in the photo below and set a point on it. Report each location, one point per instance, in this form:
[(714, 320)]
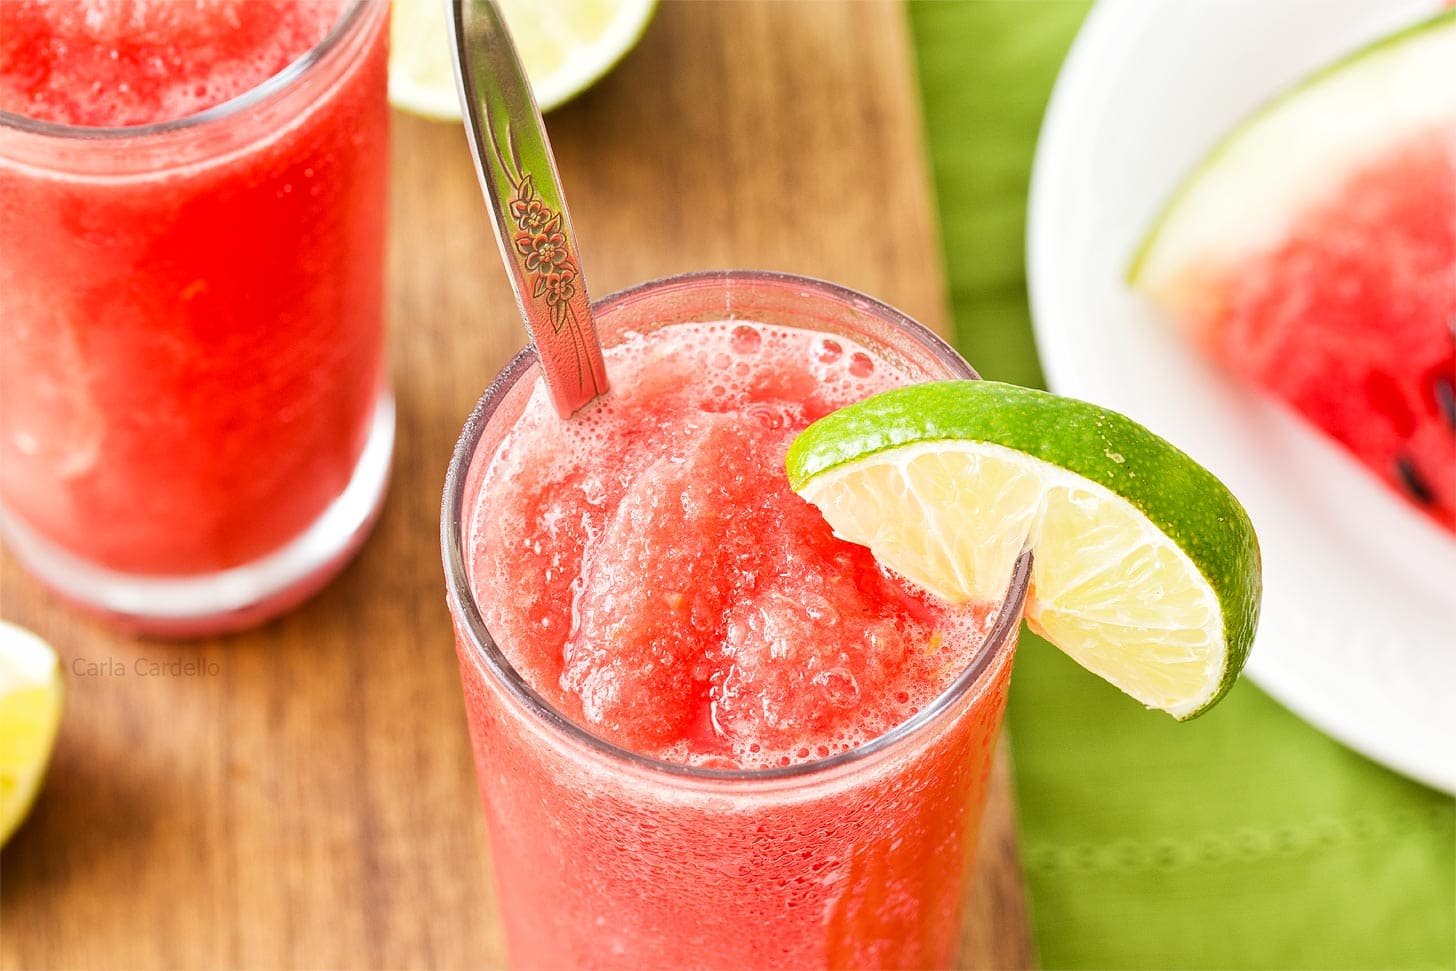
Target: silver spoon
[(518, 176)]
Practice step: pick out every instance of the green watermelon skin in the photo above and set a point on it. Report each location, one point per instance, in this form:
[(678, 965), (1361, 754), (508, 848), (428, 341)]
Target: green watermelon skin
[(1350, 318)]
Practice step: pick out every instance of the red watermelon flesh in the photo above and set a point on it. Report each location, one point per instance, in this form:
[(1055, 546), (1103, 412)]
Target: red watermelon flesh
[(1351, 319)]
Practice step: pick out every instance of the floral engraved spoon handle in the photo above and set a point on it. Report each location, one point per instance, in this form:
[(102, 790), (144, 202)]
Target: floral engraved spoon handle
[(518, 176)]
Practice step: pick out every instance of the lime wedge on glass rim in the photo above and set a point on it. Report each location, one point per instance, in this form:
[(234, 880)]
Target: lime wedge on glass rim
[(1145, 568), (565, 46), (31, 700)]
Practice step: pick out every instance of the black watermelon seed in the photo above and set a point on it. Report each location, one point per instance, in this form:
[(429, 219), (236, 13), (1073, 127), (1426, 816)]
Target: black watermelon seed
[(1411, 480), (1446, 398)]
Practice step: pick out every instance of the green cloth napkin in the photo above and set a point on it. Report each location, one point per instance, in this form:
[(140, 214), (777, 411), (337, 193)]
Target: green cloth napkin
[(1244, 839)]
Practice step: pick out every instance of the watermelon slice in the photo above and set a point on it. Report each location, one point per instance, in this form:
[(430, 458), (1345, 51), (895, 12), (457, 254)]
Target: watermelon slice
[(1313, 253)]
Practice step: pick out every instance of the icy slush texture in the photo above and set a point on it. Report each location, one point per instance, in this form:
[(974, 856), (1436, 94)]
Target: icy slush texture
[(649, 571), (113, 63)]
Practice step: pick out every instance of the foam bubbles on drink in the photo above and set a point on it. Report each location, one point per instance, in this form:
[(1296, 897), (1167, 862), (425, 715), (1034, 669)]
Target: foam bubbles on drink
[(827, 350), (746, 339)]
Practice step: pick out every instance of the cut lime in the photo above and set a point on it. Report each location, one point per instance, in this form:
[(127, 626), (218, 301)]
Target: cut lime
[(1145, 568), (30, 713), (566, 45)]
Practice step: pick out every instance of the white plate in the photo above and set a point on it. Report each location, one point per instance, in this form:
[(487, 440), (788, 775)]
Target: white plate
[(1358, 634)]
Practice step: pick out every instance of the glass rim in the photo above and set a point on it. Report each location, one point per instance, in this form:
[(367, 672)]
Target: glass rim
[(294, 71), (487, 653)]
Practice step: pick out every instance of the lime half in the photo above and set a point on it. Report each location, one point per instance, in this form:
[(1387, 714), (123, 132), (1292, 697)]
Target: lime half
[(1145, 568), (30, 713), (565, 45)]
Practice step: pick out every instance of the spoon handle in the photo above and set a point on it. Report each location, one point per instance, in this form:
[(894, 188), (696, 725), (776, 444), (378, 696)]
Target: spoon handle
[(518, 176)]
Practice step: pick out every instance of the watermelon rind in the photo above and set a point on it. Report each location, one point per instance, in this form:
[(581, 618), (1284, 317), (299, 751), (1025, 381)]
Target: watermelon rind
[(1296, 149)]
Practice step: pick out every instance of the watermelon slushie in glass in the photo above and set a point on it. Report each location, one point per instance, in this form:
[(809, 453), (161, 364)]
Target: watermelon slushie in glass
[(195, 424), (708, 732)]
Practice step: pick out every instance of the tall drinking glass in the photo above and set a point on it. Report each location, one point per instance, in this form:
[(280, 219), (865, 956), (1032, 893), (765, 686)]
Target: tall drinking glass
[(608, 858), (195, 421)]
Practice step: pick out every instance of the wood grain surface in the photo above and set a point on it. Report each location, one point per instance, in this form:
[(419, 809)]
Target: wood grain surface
[(306, 798)]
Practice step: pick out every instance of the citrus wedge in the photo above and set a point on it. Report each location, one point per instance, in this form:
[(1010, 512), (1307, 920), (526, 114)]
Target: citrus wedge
[(566, 45), (30, 713), (1145, 568)]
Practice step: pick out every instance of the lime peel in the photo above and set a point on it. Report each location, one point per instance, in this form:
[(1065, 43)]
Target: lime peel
[(1146, 569)]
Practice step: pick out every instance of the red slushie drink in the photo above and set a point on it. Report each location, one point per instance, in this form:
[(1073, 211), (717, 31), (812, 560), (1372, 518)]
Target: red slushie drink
[(709, 733), (194, 419)]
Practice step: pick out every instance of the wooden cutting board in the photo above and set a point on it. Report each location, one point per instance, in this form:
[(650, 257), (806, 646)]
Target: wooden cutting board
[(305, 796)]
